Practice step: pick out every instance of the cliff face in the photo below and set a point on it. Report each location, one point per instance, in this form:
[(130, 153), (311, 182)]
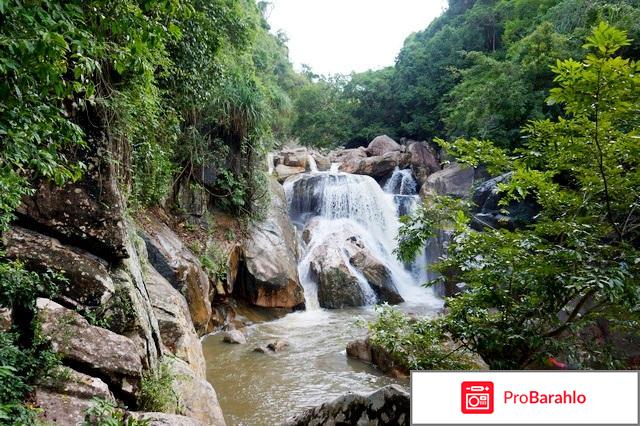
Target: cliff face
[(140, 317)]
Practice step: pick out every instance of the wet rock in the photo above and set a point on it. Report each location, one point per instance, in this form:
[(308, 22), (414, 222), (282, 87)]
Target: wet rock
[(162, 419), (269, 274), (278, 345), (169, 256), (387, 406), (423, 161), (489, 213), (196, 398), (377, 275), (89, 281), (382, 145), (338, 286), (261, 349), (174, 321), (234, 337), (283, 172), (323, 162), (5, 319), (365, 351), (114, 357), (454, 181), (378, 166)]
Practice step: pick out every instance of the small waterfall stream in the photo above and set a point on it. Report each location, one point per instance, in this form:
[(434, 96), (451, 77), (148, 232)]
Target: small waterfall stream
[(332, 206)]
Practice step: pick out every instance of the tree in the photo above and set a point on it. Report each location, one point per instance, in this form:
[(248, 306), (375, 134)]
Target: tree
[(541, 291)]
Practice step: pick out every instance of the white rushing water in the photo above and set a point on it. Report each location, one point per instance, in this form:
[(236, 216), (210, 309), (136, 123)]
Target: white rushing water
[(336, 206), (313, 166), (266, 389)]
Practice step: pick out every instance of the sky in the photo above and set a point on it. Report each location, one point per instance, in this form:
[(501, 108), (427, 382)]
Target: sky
[(341, 36)]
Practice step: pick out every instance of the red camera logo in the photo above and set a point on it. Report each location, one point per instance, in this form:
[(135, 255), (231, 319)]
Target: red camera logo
[(477, 397)]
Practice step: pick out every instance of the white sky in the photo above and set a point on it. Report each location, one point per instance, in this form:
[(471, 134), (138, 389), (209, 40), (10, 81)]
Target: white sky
[(340, 36)]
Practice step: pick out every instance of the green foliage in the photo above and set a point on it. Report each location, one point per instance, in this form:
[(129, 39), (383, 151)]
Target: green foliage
[(25, 355), (214, 262), (105, 413), (156, 391), (539, 291), (417, 344)]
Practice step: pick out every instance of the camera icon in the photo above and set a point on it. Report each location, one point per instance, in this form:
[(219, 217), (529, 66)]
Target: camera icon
[(477, 397)]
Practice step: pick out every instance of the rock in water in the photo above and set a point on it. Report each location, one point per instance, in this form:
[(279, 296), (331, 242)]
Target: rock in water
[(338, 286), (423, 161), (269, 274), (235, 337), (382, 145), (390, 405)]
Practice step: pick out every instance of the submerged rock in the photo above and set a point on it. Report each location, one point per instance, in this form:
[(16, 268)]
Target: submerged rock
[(390, 405), (269, 274), (278, 345), (235, 337)]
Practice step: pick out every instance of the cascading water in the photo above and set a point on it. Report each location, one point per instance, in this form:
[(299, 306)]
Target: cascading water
[(335, 206)]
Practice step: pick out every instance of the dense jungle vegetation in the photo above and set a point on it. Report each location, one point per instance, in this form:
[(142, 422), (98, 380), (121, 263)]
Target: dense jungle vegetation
[(482, 69)]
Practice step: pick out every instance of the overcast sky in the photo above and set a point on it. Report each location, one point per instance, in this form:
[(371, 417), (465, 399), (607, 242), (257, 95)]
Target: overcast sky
[(340, 36)]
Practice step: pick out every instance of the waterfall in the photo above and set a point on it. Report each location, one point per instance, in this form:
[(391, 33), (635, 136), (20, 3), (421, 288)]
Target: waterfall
[(313, 167), (270, 158), (343, 205)]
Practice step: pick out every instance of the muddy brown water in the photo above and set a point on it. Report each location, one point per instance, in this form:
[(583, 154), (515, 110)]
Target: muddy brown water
[(265, 389)]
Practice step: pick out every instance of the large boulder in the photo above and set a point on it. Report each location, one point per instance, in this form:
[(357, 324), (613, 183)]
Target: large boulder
[(382, 145), (112, 357), (378, 166), (454, 181), (283, 172), (298, 157), (338, 285), (323, 162), (169, 256), (348, 155), (489, 213), (269, 274), (90, 213), (377, 275), (174, 321), (89, 282), (423, 161), (390, 405), (365, 351), (196, 398)]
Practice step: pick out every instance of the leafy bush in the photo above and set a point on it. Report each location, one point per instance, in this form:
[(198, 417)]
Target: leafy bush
[(417, 344), (540, 291), (156, 392), (104, 413)]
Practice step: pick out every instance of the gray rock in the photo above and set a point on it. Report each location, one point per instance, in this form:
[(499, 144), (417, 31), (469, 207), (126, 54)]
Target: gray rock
[(169, 256), (377, 275), (365, 351), (113, 357), (283, 172), (162, 419), (5, 319), (60, 408), (348, 155), (269, 276), (88, 277), (338, 286), (423, 161), (387, 406), (454, 181), (174, 321), (69, 382), (234, 337), (196, 397), (382, 145)]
